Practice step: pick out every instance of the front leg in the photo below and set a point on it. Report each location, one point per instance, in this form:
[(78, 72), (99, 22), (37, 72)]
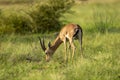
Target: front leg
[(65, 46)]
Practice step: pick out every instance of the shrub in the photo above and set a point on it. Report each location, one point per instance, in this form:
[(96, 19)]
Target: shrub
[(16, 22), (4, 28), (46, 15), (42, 17)]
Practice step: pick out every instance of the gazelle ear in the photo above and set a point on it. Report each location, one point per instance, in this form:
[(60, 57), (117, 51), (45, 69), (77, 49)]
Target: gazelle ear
[(49, 44)]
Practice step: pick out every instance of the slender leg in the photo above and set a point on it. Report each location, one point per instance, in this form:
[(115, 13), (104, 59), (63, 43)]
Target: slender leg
[(65, 45), (69, 47), (73, 47)]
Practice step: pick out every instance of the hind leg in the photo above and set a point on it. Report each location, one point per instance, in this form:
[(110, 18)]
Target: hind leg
[(72, 46)]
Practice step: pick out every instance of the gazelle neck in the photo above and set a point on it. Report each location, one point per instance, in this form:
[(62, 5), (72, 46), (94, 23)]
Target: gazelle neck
[(56, 44)]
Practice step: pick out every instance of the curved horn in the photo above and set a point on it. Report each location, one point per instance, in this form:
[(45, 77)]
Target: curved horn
[(42, 44)]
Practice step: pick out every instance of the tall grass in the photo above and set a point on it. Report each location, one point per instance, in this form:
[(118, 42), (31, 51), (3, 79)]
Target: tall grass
[(105, 17)]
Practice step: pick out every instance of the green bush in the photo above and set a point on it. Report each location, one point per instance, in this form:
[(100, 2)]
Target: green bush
[(4, 27), (46, 15), (14, 22), (42, 17)]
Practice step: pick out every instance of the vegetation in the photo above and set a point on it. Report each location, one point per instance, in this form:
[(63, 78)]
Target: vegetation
[(21, 57), (46, 15), (43, 16), (105, 19)]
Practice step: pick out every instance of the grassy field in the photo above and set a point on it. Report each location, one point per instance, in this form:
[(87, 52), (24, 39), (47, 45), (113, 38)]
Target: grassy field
[(21, 57)]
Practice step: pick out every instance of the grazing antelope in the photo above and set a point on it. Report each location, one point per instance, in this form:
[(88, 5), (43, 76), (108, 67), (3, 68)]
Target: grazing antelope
[(67, 33)]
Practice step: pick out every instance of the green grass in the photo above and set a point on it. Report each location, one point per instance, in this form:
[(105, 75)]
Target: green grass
[(21, 57)]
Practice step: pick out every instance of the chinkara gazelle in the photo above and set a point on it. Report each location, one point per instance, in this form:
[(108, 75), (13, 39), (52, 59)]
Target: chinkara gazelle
[(69, 33)]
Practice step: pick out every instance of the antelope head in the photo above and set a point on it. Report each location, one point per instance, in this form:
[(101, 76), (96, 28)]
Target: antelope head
[(48, 51)]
